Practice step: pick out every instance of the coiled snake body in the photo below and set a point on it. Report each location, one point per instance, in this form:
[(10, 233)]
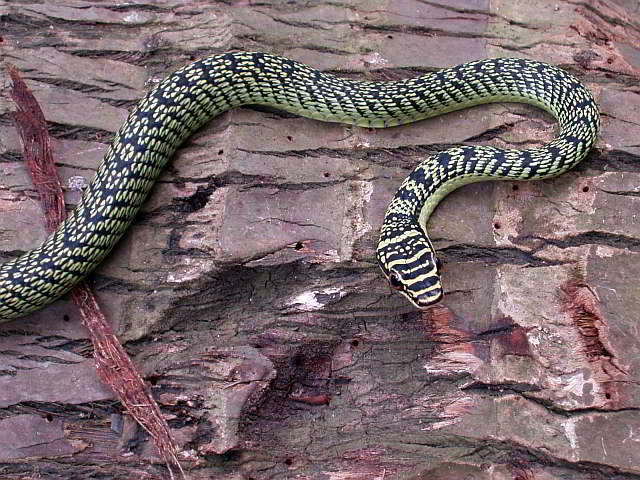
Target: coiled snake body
[(188, 98)]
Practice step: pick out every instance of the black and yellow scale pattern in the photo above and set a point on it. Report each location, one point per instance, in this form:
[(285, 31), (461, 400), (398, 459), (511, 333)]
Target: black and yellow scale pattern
[(188, 98)]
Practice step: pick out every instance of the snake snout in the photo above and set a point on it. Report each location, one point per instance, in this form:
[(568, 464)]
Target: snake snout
[(426, 300), (425, 289)]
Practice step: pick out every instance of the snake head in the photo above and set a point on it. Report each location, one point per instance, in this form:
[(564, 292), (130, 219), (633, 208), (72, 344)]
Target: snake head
[(411, 267)]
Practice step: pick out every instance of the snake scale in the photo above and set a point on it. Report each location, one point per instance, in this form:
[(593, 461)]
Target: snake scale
[(191, 96)]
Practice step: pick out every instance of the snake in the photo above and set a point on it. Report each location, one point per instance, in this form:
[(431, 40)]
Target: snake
[(187, 99)]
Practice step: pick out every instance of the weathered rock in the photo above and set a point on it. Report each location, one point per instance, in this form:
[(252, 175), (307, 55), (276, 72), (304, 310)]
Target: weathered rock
[(258, 244), (26, 436)]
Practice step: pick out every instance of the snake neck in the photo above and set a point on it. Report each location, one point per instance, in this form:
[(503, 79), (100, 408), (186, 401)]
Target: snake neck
[(568, 101), (446, 171), (441, 174), (404, 242)]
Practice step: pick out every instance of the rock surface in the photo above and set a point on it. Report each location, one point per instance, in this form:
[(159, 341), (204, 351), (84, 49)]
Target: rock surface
[(248, 292)]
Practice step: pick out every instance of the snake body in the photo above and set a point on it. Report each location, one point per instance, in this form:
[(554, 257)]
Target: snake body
[(191, 96)]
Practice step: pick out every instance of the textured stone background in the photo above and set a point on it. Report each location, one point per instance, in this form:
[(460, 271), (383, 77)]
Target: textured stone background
[(247, 290)]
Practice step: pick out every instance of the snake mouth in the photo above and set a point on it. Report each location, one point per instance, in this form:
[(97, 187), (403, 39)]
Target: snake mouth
[(425, 301)]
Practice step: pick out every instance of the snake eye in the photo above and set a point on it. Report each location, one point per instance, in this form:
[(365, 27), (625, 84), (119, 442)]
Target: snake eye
[(395, 282), (438, 265)]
